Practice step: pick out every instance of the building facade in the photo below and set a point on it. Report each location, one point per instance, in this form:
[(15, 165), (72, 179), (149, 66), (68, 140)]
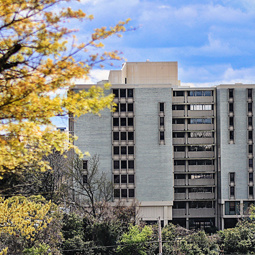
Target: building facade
[(184, 154)]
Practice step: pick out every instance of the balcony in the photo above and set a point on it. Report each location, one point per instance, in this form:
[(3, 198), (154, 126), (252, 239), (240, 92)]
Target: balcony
[(202, 212), (178, 113), (200, 99), (201, 140), (201, 154), (200, 127), (180, 196), (201, 168), (201, 196), (177, 127), (178, 99), (201, 182), (179, 169), (178, 140), (179, 154), (179, 213), (179, 182)]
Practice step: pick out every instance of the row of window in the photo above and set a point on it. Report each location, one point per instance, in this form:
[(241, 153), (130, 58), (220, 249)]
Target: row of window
[(194, 204), (123, 136), (196, 134), (123, 107), (194, 176), (195, 190), (124, 193), (123, 164), (194, 121), (161, 123), (123, 150), (207, 162), (191, 93), (123, 122), (124, 178), (193, 107), (123, 93), (195, 148)]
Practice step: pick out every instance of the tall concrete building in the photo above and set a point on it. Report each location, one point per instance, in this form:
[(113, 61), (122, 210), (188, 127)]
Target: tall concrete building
[(184, 154)]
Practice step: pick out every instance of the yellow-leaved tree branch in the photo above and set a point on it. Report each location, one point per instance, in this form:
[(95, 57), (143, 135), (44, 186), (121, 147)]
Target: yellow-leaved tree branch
[(36, 59)]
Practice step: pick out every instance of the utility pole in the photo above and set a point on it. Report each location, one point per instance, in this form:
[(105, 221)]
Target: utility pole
[(159, 236)]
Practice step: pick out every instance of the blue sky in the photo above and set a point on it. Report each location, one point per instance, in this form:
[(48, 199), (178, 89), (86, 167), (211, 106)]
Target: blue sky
[(212, 40)]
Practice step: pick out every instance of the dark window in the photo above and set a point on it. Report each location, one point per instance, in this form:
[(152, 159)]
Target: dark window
[(115, 122), (162, 136), (250, 191), (123, 107), (161, 121), (250, 148), (131, 193), (179, 162), (178, 121), (130, 136), (130, 122), (116, 150), (123, 150), (178, 134), (116, 164), (231, 107), (250, 162), (250, 121), (179, 190), (131, 164), (123, 193), (116, 193), (179, 176), (250, 177), (178, 107), (232, 177), (85, 164), (179, 205), (116, 108), (179, 148), (161, 107), (115, 92), (131, 178), (249, 93), (85, 178), (131, 150), (231, 135), (125, 80), (130, 92), (230, 93), (231, 121), (123, 164), (250, 135), (123, 178), (178, 93), (249, 107), (123, 136), (116, 179), (116, 136), (130, 107), (122, 92), (232, 191), (123, 122)]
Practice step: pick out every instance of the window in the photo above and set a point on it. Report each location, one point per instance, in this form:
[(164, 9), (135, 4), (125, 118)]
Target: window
[(85, 178), (206, 162), (116, 150), (179, 205), (178, 121), (200, 121), (200, 176), (116, 108), (232, 177), (161, 121), (130, 122), (231, 107), (178, 107), (123, 193), (179, 148), (250, 148), (116, 193), (123, 178), (116, 179), (178, 134), (123, 136), (200, 107), (178, 93), (179, 176), (201, 204), (131, 178), (116, 164), (249, 107), (131, 193), (249, 93), (131, 164), (231, 135), (115, 136), (162, 136), (123, 164), (122, 92), (115, 122), (123, 122), (123, 150), (201, 190), (179, 190), (250, 177), (232, 208), (250, 135), (161, 107), (131, 150), (232, 191), (231, 121), (130, 107), (197, 93), (122, 107), (250, 121), (251, 191), (85, 164), (179, 162), (201, 148), (130, 92), (115, 92), (250, 162), (230, 93), (130, 136)]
